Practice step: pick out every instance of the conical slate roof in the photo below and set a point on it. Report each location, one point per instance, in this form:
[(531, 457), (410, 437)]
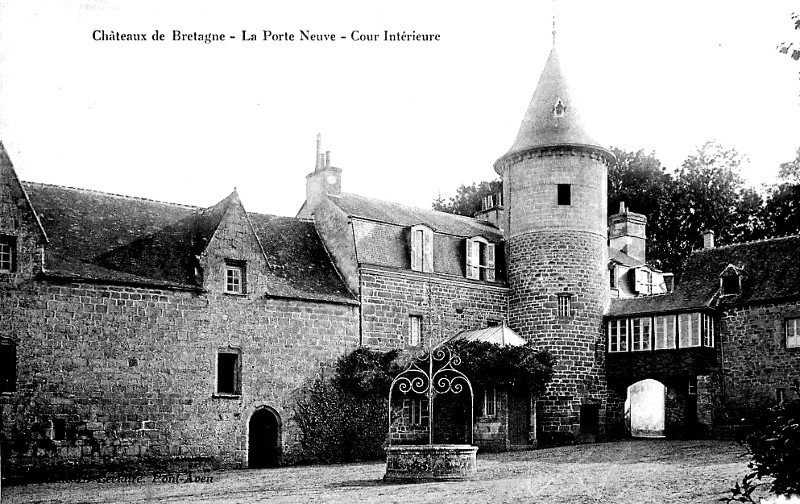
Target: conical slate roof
[(552, 118)]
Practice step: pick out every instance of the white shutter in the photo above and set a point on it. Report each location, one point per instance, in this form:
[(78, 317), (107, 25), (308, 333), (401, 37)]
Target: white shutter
[(471, 268), (639, 280), (416, 249), (427, 261), (490, 262)]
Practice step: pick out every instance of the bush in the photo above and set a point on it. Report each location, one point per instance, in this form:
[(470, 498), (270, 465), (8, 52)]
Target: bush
[(774, 448)]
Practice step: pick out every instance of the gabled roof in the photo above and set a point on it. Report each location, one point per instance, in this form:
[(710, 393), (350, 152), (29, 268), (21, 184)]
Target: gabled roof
[(298, 264), (770, 272), (402, 215), (106, 237), (500, 335), (541, 126)]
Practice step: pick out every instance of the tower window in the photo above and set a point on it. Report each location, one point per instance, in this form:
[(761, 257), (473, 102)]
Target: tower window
[(793, 333), (8, 252), (564, 305), (564, 194), (559, 108)]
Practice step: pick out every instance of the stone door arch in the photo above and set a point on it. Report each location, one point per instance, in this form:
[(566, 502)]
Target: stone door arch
[(645, 408), (264, 438)]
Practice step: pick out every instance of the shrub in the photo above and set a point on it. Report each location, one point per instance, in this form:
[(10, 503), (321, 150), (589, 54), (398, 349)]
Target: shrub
[(774, 448)]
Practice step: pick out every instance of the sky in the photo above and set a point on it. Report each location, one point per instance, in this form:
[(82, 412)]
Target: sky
[(187, 122)]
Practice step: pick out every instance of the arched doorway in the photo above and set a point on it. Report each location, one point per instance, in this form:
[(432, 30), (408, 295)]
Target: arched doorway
[(264, 439), (645, 408)]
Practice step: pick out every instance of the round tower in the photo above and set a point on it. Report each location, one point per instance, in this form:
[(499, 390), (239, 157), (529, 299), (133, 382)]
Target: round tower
[(555, 188)]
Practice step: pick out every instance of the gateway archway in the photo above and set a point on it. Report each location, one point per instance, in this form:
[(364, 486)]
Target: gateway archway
[(645, 408)]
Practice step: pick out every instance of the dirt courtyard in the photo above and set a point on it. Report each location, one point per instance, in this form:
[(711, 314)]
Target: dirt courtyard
[(619, 472)]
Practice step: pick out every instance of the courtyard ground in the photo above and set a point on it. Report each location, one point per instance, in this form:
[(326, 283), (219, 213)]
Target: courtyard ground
[(620, 472)]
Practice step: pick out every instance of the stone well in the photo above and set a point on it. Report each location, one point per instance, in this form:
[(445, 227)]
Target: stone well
[(430, 462)]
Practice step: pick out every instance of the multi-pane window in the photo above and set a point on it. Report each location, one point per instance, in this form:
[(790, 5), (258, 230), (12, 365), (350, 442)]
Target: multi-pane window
[(618, 335), (708, 330), (490, 402), (229, 371), (422, 249), (643, 279), (415, 333), (480, 259), (641, 332), (235, 277), (689, 329), (8, 252), (8, 365), (793, 333), (664, 328), (564, 305), (415, 411)]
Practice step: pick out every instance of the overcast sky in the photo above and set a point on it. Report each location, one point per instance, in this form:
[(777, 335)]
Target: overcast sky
[(187, 122)]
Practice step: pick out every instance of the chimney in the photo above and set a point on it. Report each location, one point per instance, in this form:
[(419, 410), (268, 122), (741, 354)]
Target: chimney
[(492, 210), (708, 239), (324, 181), (626, 232)]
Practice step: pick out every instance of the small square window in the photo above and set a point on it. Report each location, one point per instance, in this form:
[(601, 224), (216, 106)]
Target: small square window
[(8, 254), (235, 277), (564, 305), (229, 372), (415, 411), (59, 428), (793, 333), (730, 285), (415, 335), (564, 194)]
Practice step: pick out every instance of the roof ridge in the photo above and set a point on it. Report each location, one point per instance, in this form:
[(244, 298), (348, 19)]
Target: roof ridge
[(95, 191), (750, 242), (463, 217)]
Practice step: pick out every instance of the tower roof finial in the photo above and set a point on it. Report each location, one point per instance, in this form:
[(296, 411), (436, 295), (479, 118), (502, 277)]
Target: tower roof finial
[(554, 24)]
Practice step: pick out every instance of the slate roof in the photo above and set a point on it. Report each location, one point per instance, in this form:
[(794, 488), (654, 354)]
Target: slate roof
[(540, 127), (114, 238), (770, 272), (623, 258), (402, 215)]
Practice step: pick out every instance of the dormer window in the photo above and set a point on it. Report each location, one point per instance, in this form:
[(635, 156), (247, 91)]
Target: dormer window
[(643, 281), (730, 281), (559, 108), (8, 254), (422, 248), (235, 277), (480, 259)]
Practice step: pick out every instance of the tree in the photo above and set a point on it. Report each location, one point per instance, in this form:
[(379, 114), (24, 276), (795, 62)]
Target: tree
[(468, 199), (781, 213), (710, 195)]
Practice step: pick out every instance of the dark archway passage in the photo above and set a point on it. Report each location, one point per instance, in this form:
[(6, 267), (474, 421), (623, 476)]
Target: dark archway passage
[(264, 443)]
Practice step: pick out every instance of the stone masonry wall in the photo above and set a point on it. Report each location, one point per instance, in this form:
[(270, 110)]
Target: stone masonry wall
[(542, 266), (132, 372), (447, 305), (755, 360)]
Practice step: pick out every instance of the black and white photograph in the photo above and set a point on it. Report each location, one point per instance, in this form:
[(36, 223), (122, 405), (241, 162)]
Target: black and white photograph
[(356, 251)]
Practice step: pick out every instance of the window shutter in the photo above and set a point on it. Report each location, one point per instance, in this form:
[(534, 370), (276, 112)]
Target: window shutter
[(468, 248), (490, 262), (416, 252), (639, 280), (427, 261)]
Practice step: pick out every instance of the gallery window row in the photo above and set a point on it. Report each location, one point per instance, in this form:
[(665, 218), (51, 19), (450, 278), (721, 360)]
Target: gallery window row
[(661, 332)]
